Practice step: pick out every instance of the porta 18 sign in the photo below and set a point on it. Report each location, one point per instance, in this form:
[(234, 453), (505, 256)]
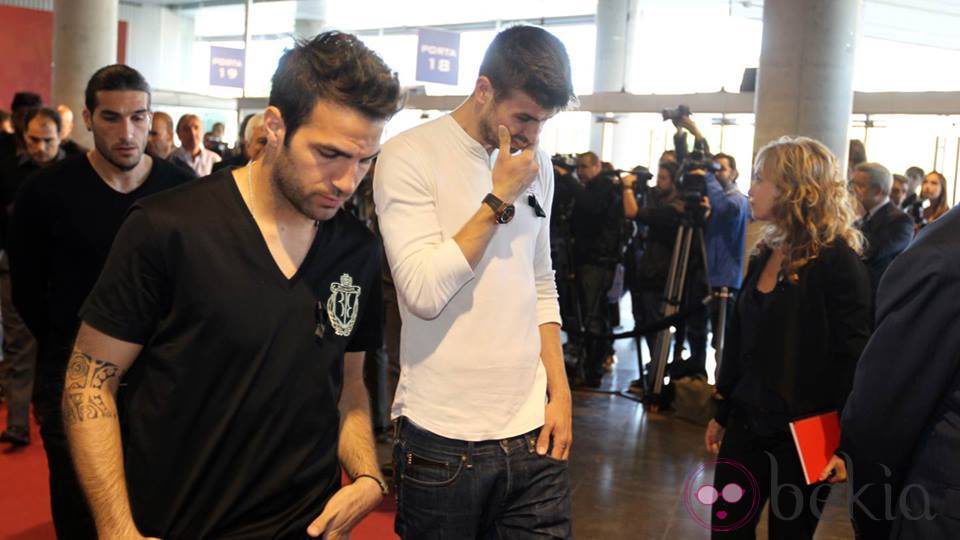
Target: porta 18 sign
[(226, 67), (438, 55)]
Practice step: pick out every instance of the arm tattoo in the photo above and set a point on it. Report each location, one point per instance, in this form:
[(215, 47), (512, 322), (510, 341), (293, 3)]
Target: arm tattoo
[(86, 373)]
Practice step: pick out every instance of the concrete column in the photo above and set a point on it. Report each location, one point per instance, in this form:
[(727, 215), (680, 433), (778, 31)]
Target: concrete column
[(805, 80), (310, 18), (84, 40), (616, 21)]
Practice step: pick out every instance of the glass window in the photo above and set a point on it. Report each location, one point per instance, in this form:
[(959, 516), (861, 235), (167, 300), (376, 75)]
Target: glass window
[(901, 141)]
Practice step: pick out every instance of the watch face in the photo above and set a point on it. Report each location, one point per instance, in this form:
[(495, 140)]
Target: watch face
[(507, 214)]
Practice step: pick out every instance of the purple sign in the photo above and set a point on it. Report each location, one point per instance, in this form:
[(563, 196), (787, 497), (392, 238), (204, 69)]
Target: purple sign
[(226, 67), (438, 56)]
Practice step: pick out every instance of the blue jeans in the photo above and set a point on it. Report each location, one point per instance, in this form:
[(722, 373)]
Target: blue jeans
[(495, 489)]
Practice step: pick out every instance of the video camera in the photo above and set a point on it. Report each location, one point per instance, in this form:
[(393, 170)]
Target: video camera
[(693, 168), (675, 114), (642, 173), (564, 161)]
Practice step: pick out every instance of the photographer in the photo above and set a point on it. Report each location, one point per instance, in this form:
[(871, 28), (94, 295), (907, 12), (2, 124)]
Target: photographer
[(561, 238), (724, 234), (597, 226)]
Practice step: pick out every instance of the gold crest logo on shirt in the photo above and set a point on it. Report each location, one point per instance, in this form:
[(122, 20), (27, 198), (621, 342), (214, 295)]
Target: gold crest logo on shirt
[(343, 305)]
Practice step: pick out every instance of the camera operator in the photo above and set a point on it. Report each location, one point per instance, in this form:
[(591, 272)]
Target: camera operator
[(661, 212), (597, 226), (724, 235), (561, 239)]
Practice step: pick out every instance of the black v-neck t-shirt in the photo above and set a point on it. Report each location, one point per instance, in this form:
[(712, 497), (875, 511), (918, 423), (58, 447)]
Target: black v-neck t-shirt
[(229, 414)]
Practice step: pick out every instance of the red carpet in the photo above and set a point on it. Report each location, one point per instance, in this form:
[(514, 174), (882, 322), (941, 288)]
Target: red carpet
[(25, 497)]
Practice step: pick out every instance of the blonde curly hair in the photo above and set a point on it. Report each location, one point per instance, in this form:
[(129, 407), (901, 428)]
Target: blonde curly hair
[(814, 207)]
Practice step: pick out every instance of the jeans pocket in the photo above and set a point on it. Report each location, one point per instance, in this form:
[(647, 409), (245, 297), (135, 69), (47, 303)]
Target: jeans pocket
[(555, 461), (430, 469)]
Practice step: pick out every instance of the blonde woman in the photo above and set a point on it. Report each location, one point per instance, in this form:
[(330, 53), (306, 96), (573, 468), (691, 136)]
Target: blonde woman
[(800, 323)]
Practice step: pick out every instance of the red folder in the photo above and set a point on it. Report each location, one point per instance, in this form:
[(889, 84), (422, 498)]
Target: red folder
[(816, 438)]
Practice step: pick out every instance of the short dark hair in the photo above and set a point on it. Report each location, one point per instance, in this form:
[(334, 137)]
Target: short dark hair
[(915, 172), (185, 118), (43, 112), (114, 77), (4, 116), (671, 169), (25, 100), (165, 117), (730, 159), (532, 60), (337, 67), (591, 157)]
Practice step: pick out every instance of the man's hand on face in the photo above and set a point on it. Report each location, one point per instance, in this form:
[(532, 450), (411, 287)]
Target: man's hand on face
[(513, 174), (345, 509)]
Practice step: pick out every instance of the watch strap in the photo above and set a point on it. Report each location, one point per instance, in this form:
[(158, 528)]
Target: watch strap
[(501, 210), (494, 203)]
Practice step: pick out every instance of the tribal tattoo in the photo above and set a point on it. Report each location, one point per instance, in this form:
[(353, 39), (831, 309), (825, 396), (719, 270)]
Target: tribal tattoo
[(84, 375)]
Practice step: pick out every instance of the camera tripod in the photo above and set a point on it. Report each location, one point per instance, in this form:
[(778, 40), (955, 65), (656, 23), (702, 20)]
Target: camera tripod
[(689, 237)]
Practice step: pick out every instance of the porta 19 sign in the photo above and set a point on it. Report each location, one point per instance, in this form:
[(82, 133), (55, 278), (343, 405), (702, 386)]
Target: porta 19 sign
[(226, 67)]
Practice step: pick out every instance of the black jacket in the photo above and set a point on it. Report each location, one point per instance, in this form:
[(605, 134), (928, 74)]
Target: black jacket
[(662, 218), (888, 232), (597, 222), (809, 337), (904, 411)]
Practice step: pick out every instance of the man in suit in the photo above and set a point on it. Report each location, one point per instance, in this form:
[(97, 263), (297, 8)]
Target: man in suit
[(900, 424), (887, 228)]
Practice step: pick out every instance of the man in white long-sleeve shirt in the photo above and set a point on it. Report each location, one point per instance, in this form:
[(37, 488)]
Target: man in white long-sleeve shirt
[(483, 406)]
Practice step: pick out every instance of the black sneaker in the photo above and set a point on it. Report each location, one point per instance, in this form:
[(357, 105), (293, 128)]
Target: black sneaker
[(16, 435)]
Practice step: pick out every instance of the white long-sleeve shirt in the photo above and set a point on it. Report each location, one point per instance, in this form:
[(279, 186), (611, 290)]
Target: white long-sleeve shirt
[(470, 340)]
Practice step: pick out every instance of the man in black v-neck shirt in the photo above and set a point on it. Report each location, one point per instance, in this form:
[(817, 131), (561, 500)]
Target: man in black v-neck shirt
[(235, 309), (65, 219)]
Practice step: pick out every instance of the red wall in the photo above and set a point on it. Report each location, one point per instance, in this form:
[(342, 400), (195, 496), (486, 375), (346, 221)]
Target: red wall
[(27, 43)]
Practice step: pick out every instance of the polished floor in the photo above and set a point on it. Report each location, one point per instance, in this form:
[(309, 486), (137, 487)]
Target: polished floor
[(629, 468)]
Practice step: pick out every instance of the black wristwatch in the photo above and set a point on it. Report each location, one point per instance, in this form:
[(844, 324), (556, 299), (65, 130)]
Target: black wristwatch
[(503, 211)]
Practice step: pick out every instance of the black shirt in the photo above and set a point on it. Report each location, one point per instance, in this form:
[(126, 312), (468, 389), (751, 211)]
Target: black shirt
[(13, 173), (8, 145), (662, 215), (231, 162), (597, 222), (72, 148), (64, 221), (564, 193), (229, 414), (754, 401)]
